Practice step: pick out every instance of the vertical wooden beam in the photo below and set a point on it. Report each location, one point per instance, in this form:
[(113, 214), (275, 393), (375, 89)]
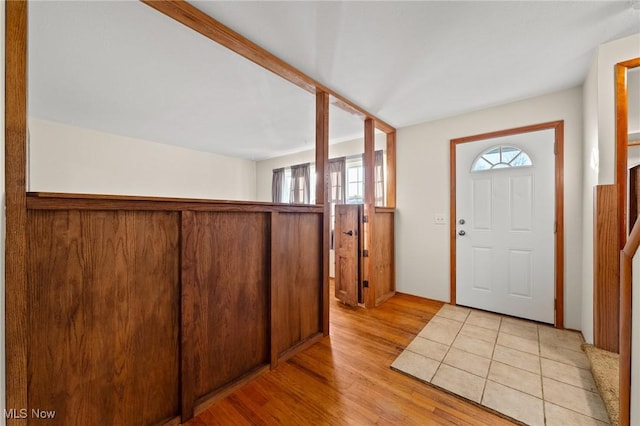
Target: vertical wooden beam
[(626, 293), (559, 237), (369, 210), (16, 206), (391, 169), (274, 283), (322, 196)]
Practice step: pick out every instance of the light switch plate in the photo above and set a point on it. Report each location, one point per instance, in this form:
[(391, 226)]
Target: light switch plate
[(440, 219)]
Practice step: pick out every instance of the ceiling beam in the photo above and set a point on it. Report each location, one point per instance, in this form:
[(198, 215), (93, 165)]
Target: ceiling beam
[(204, 24)]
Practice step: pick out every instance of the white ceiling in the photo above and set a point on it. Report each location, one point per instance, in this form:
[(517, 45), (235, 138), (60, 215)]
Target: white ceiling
[(123, 68)]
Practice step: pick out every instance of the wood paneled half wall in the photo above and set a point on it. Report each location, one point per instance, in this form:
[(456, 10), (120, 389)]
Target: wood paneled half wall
[(145, 311)]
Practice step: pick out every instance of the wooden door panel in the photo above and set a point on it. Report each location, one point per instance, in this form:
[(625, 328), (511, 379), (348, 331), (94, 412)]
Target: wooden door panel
[(347, 235)]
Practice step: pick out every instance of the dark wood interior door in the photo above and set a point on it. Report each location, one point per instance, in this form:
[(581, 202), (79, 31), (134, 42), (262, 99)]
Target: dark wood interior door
[(346, 238)]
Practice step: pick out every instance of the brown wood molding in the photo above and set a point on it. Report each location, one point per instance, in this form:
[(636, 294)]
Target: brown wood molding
[(558, 126), (16, 211), (622, 129), (202, 23), (40, 201)]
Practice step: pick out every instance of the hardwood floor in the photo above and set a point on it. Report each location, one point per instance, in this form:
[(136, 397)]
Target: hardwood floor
[(346, 379)]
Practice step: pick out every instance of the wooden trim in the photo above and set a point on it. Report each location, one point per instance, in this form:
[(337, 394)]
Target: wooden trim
[(300, 347), (202, 23), (391, 169), (219, 394), (629, 245), (16, 210), (558, 126), (452, 222), (39, 201), (559, 238), (322, 197), (622, 129), (273, 282), (621, 150), (369, 210)]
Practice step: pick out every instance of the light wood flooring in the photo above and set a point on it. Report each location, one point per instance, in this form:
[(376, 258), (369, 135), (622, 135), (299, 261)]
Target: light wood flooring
[(346, 379)]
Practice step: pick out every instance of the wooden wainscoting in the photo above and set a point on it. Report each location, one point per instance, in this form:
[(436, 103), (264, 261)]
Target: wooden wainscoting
[(384, 278), (145, 311), (606, 285), (296, 284), (103, 322), (225, 286)]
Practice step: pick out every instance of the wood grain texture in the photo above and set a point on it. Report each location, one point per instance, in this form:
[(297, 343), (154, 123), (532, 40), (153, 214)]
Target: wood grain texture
[(384, 257), (346, 379), (66, 201), (296, 286), (558, 127), (368, 266), (606, 264), (322, 195), (202, 23), (16, 213), (226, 277), (391, 169), (103, 327), (347, 253)]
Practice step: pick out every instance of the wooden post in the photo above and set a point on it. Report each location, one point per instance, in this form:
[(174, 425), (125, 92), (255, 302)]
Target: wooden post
[(16, 206), (369, 210), (322, 196), (391, 169)]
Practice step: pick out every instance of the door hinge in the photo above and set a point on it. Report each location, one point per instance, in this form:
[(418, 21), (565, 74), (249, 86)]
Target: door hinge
[(365, 253), (365, 219), (555, 148), (555, 227), (365, 284), (555, 304)]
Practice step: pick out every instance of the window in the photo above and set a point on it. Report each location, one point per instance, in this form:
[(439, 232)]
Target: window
[(355, 180), (501, 157)]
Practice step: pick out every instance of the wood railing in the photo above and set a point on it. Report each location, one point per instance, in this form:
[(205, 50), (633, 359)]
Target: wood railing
[(626, 292), (146, 310)]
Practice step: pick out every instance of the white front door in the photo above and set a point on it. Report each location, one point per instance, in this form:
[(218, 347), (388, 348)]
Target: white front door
[(505, 212)]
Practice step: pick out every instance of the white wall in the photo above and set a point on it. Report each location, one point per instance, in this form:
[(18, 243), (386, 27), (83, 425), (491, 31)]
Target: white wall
[(423, 191), (599, 149), (64, 158), (3, 387)]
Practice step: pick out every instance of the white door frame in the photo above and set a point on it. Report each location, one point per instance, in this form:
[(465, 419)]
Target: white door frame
[(558, 126)]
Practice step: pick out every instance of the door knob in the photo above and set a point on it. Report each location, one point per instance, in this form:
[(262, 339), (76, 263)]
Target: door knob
[(462, 233), (350, 233), (461, 222)]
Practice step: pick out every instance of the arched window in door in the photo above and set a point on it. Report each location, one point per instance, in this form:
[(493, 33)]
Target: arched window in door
[(500, 157)]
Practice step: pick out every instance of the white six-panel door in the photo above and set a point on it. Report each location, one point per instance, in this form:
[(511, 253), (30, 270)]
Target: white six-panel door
[(505, 228)]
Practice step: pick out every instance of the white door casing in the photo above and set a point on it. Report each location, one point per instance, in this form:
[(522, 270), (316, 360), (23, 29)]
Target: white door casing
[(505, 260)]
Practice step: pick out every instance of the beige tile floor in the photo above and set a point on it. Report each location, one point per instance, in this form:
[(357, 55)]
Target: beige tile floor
[(533, 373)]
